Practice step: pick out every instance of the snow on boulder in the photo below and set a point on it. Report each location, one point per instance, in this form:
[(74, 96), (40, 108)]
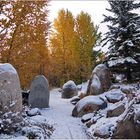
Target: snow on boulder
[(100, 80), (116, 110), (95, 88), (130, 91), (114, 95), (104, 76), (91, 118), (10, 92), (86, 117), (104, 128), (33, 112), (87, 105), (69, 90), (74, 100)]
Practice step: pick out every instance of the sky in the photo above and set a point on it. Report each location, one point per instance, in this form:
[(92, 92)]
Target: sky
[(93, 7)]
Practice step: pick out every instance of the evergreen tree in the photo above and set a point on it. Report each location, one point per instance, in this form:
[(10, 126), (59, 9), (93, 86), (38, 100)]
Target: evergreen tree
[(124, 37)]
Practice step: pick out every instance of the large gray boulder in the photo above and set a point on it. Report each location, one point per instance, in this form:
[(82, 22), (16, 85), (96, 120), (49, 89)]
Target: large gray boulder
[(88, 104), (10, 92), (69, 90), (95, 88), (100, 80), (103, 74), (39, 93)]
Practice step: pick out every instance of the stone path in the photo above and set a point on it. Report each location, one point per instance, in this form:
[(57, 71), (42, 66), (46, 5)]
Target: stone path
[(59, 113)]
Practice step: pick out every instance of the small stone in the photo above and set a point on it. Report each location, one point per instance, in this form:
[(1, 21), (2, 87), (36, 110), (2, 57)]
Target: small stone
[(114, 95), (69, 90)]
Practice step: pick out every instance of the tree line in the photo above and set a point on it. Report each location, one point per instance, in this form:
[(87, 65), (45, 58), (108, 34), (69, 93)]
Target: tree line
[(33, 46)]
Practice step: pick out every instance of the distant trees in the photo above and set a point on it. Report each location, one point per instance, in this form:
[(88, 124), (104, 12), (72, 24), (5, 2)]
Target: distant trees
[(72, 43), (63, 46), (23, 32), (67, 54), (124, 37), (87, 36)]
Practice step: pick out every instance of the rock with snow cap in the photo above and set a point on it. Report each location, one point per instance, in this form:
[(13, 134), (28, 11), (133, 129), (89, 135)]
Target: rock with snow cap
[(10, 92), (114, 95), (104, 76), (33, 112), (96, 87), (88, 104), (69, 90), (100, 80), (116, 110)]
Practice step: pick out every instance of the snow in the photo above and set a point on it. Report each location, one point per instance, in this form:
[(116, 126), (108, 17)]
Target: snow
[(119, 77), (59, 114), (89, 100), (98, 125), (33, 129), (104, 126), (12, 103), (6, 67), (121, 61), (87, 116), (96, 82), (33, 112), (19, 138), (115, 94), (84, 87), (129, 43)]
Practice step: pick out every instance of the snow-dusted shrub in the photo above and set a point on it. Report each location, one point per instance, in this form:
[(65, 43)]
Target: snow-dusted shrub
[(13, 124), (36, 130), (10, 122)]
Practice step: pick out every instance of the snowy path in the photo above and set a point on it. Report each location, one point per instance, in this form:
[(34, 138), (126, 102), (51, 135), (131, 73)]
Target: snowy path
[(59, 113)]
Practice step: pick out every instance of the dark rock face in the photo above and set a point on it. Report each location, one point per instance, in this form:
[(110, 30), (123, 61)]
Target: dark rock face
[(74, 100), (25, 96), (69, 90), (10, 92), (116, 111), (39, 93), (88, 105), (125, 130)]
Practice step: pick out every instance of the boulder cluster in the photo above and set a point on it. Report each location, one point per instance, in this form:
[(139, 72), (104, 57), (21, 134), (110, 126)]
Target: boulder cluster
[(109, 110)]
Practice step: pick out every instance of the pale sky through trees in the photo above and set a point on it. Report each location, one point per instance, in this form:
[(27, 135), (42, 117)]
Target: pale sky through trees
[(95, 8)]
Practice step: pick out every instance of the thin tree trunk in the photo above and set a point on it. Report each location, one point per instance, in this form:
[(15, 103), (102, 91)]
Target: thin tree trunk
[(11, 45)]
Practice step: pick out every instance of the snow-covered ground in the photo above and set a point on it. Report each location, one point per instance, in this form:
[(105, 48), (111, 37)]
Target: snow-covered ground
[(59, 114)]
